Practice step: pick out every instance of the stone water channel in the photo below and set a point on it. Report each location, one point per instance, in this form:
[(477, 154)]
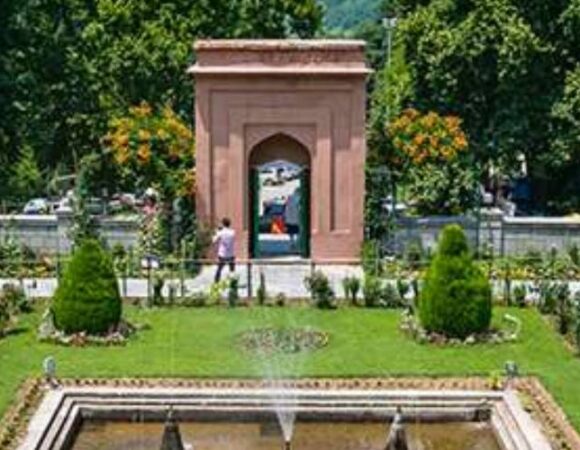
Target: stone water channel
[(100, 435), (132, 418)]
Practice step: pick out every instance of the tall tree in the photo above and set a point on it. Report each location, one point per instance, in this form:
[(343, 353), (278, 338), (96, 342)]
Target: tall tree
[(501, 66), (68, 66)]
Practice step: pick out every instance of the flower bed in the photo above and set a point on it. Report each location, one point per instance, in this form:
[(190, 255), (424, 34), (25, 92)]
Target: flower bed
[(282, 340)]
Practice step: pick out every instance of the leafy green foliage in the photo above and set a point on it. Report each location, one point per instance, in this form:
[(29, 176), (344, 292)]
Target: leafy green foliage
[(390, 297), (261, 293), (577, 318), (371, 258), (519, 294), (564, 310), (351, 287), (68, 66), (563, 162), (13, 301), (4, 316), (320, 290), (501, 65), (456, 296), (233, 291), (372, 289), (84, 224), (25, 180), (11, 255), (87, 298), (16, 298)]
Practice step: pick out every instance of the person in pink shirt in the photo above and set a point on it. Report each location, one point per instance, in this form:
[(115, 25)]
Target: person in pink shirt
[(224, 239)]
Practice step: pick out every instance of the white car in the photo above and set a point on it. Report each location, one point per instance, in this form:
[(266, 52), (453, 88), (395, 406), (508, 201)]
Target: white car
[(37, 206)]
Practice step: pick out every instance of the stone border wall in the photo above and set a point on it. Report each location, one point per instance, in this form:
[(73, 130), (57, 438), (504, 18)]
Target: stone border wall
[(505, 235), (50, 233)]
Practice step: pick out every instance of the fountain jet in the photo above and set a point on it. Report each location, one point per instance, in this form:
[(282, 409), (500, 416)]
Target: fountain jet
[(397, 439), (171, 434)]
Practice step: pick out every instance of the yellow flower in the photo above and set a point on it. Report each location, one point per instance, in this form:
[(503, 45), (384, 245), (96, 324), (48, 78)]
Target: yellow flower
[(430, 120), (460, 142), (143, 110), (189, 184), (121, 155), (144, 135), (120, 140), (411, 113), (144, 153), (453, 123), (162, 134), (419, 139), (174, 151)]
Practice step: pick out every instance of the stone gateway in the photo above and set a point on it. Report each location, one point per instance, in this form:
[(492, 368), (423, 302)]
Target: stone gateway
[(298, 100)]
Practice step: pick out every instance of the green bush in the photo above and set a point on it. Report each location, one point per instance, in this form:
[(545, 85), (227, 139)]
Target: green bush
[(403, 288), (16, 298), (87, 298), (371, 258), (4, 316), (389, 297), (372, 290), (261, 294), (233, 294), (195, 300), (320, 290), (577, 324), (550, 294), (519, 294), (574, 254), (456, 296), (351, 288)]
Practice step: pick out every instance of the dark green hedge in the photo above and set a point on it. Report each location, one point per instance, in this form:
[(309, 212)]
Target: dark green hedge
[(456, 297), (87, 298)]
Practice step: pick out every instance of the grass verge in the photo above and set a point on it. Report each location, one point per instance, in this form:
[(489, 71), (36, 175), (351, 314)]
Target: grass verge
[(362, 342)]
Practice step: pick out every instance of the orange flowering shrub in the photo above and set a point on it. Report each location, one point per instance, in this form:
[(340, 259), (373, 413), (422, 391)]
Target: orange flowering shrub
[(155, 147), (429, 138), (430, 153)]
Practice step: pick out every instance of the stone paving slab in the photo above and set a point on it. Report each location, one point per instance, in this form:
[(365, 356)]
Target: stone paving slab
[(280, 278)]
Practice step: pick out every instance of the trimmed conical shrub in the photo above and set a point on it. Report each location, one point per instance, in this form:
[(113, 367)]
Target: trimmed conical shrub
[(456, 296), (87, 298)]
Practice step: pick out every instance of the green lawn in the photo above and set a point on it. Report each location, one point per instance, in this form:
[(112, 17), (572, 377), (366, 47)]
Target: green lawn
[(201, 343)]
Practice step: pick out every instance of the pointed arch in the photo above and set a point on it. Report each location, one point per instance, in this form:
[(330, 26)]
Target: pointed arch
[(280, 146)]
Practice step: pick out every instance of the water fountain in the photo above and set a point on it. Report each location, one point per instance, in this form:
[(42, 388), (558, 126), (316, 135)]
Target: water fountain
[(397, 439), (286, 419)]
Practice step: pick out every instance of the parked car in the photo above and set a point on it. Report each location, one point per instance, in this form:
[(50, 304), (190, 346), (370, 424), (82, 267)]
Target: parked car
[(291, 174), (37, 206), (273, 182), (124, 202)]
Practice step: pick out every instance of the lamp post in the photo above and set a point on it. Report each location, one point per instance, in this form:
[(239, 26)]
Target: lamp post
[(390, 23)]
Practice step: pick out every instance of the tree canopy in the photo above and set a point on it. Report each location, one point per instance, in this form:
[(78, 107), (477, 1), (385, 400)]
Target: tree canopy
[(68, 66), (506, 67)]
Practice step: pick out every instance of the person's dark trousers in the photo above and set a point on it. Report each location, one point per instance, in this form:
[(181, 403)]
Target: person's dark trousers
[(221, 264)]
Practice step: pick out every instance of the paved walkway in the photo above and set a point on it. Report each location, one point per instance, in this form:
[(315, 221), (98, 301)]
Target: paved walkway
[(280, 278)]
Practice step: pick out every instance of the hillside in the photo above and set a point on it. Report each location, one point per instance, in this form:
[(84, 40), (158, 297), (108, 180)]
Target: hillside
[(345, 14)]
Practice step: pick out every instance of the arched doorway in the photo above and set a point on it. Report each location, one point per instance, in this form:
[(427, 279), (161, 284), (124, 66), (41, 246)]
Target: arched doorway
[(279, 198)]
